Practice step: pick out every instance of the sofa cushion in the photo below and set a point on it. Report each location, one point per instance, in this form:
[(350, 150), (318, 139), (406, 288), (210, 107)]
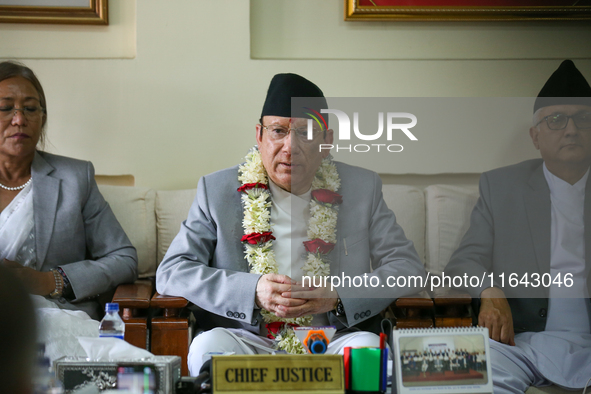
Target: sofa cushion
[(134, 208), (408, 204), (172, 208), (448, 218)]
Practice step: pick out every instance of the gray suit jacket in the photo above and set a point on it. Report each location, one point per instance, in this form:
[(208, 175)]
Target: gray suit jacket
[(205, 262), (76, 230), (510, 232)]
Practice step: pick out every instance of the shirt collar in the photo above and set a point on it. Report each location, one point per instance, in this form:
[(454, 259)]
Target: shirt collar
[(290, 203), (557, 184)]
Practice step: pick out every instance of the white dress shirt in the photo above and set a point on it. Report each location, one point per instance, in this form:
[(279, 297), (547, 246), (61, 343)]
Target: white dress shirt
[(562, 353), (290, 215)]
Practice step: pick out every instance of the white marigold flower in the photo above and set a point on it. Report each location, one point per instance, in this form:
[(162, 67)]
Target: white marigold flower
[(323, 224), (333, 185), (253, 224), (289, 342), (269, 317), (305, 320), (315, 266), (327, 176), (253, 170), (257, 215), (262, 261), (255, 192), (316, 184)]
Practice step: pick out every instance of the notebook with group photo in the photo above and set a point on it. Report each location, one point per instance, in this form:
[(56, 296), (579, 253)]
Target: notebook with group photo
[(442, 360)]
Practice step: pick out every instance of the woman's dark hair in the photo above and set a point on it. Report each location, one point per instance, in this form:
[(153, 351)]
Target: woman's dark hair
[(12, 69)]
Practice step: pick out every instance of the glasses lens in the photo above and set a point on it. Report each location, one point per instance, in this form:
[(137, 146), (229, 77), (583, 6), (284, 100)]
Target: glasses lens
[(302, 134), (277, 132), (557, 121), (6, 112), (32, 112), (583, 121), (28, 112)]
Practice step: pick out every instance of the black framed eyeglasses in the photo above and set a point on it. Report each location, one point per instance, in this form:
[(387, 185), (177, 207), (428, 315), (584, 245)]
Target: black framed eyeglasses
[(278, 133), (558, 121)]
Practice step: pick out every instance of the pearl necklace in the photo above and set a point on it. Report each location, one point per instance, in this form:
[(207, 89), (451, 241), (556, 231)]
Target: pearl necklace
[(17, 187)]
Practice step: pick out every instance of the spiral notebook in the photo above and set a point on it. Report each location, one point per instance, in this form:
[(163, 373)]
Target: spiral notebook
[(442, 360)]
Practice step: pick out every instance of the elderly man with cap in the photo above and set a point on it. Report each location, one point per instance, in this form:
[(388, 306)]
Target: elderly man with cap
[(534, 219), (255, 230)]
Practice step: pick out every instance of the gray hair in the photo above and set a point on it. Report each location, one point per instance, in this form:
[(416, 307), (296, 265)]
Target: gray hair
[(536, 117)]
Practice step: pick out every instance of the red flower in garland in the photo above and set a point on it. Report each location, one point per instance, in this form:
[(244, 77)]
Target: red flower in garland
[(326, 196), (247, 186), (275, 327), (255, 238), (319, 246)]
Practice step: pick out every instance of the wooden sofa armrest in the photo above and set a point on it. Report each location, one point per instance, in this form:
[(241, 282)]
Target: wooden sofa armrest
[(134, 295), (443, 297), (452, 308), (166, 301), (421, 300), (134, 302), (171, 332), (171, 305), (414, 311)]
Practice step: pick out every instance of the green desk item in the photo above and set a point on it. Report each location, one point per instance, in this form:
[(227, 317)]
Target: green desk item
[(365, 369)]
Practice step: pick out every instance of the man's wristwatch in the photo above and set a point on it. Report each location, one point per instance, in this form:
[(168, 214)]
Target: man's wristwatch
[(59, 285), (339, 309)]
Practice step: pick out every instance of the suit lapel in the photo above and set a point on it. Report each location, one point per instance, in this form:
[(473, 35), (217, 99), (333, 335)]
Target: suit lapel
[(538, 208), (237, 211), (45, 197)]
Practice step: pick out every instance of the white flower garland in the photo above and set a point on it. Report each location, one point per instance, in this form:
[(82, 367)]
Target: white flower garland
[(256, 200)]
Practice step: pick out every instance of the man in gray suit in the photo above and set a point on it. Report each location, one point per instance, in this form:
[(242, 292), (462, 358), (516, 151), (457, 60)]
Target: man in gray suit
[(206, 261), (533, 221)]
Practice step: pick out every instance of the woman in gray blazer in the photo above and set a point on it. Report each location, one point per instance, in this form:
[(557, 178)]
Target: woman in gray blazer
[(57, 233)]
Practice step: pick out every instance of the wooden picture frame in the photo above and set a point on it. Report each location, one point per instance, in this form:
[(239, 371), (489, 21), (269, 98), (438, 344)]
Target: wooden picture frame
[(60, 12), (465, 10)]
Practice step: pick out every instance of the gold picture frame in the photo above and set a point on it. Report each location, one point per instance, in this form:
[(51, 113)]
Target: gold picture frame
[(96, 13), (391, 10)]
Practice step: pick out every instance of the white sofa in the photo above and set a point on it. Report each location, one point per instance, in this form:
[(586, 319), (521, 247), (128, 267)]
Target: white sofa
[(434, 218)]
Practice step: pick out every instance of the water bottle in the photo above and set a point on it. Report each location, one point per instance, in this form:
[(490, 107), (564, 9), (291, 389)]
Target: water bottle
[(112, 326)]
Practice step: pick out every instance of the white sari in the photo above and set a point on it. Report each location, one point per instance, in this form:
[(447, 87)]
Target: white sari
[(17, 229), (57, 328)]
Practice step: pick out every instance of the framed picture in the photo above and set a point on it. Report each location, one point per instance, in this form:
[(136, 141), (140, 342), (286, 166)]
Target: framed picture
[(465, 10), (80, 12), (442, 360)]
